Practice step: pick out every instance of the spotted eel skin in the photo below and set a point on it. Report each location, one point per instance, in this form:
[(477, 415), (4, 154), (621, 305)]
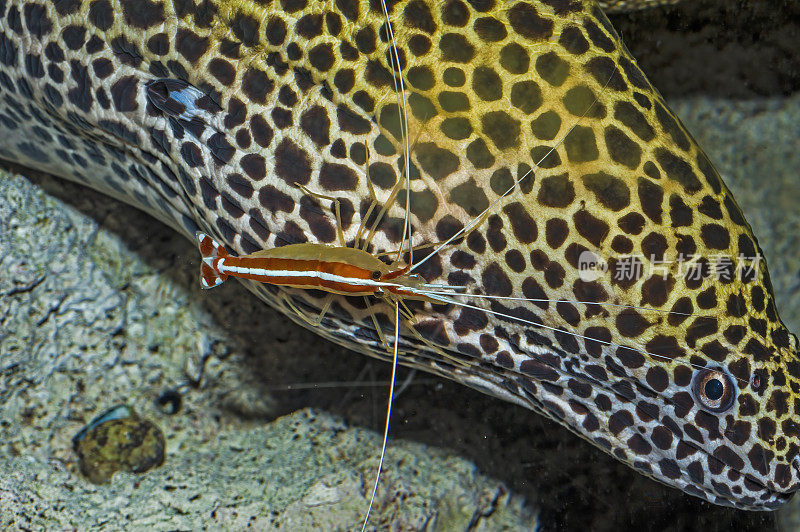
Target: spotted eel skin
[(208, 114)]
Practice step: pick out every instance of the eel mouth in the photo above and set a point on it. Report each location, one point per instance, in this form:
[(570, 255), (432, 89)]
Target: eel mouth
[(769, 500), (699, 472), (719, 482), (759, 496)]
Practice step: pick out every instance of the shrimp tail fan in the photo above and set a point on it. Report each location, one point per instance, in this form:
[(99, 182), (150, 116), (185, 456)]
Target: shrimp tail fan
[(212, 252)]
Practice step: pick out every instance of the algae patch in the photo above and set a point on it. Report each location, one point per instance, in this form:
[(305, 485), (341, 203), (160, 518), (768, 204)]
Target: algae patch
[(118, 440)]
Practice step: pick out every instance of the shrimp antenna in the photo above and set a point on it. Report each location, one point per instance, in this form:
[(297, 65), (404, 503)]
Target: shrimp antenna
[(401, 109), (388, 411)]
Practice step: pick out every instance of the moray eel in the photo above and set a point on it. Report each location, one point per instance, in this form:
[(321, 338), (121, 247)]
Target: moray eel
[(684, 372)]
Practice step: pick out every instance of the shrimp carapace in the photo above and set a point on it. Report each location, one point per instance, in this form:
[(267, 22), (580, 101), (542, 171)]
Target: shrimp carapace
[(334, 269)]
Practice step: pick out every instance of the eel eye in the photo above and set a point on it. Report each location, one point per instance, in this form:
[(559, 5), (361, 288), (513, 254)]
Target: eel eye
[(713, 390), (376, 275)]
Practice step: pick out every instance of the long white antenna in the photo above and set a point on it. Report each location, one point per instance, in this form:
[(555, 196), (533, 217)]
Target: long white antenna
[(439, 292), (401, 109), (388, 411), (451, 301), (401, 95)]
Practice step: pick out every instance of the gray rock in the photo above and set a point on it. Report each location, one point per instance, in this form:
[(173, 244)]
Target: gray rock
[(105, 309)]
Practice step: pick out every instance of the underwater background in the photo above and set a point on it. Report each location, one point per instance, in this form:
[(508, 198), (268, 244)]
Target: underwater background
[(100, 306)]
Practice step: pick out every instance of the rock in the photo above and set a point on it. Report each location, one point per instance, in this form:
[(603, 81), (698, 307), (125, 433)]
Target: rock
[(100, 305)]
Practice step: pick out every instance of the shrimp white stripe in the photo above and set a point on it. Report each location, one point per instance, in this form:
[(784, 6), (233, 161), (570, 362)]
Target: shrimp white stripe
[(325, 276)]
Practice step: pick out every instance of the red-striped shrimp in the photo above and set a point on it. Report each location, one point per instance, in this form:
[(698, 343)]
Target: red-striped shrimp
[(334, 269)]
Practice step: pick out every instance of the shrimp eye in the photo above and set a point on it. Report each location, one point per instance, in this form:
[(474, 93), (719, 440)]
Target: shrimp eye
[(376, 275), (713, 390)]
